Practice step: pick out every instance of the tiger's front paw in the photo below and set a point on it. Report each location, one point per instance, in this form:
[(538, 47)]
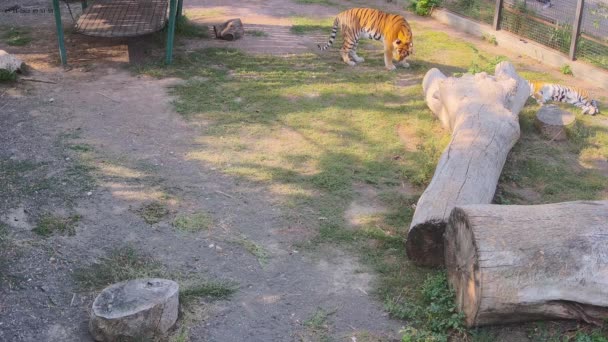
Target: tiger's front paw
[(405, 64), (359, 59), (351, 63), (391, 67)]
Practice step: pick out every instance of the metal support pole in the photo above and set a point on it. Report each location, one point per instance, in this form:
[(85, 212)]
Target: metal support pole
[(497, 14), (170, 32), (59, 25), (576, 28), (84, 4), (180, 4)]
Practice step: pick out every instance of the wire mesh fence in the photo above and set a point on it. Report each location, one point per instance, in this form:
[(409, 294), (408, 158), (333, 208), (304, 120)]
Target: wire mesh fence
[(593, 42), (548, 22), (478, 10)]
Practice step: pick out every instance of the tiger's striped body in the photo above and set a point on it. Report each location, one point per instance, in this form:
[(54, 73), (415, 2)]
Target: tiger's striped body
[(357, 23), (543, 92)]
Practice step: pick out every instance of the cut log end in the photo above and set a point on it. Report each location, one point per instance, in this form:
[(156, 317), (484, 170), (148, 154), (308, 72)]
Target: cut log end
[(552, 122), (230, 30), (424, 244), (462, 265)]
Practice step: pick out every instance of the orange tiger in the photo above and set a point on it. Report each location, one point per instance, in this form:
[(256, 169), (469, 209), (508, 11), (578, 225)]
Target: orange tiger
[(370, 23)]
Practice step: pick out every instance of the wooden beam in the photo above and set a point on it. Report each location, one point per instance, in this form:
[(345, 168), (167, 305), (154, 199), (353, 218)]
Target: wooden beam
[(576, 28)]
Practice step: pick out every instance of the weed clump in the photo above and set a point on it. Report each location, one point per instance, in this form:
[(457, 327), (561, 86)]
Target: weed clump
[(193, 223), (153, 212), (50, 224)]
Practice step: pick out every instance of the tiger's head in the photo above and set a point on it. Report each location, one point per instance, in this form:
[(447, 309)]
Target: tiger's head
[(403, 46)]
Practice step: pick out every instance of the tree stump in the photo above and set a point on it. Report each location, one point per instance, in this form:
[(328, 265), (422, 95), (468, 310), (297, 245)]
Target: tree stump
[(482, 112), (136, 309), (9, 63), (230, 30), (552, 122), (517, 263)]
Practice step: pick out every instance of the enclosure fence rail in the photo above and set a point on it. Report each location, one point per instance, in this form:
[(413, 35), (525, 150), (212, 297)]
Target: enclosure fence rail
[(576, 28)]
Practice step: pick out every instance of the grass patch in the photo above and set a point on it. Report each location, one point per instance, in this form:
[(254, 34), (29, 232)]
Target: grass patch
[(256, 250), (305, 25), (317, 326), (50, 224), (204, 289), (121, 264), (153, 212), (186, 28), (256, 33), (7, 76), (566, 70), (315, 2), (17, 36), (434, 317), (193, 222)]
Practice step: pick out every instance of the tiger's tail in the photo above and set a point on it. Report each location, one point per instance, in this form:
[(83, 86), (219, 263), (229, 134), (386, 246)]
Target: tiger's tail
[(332, 37)]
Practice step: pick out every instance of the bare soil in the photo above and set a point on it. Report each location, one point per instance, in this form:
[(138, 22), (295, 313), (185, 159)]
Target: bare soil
[(140, 148)]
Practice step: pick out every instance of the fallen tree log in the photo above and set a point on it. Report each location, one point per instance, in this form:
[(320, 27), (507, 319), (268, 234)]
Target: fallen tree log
[(230, 30), (510, 263), (482, 113)]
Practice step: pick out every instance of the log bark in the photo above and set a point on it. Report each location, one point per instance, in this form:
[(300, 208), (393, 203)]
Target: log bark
[(230, 30), (482, 113), (517, 263), (552, 122)]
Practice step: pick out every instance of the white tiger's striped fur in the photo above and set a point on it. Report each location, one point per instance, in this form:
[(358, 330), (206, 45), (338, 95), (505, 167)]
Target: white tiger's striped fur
[(543, 92)]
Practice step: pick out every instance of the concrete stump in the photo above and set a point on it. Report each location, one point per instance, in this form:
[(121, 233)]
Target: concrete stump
[(552, 121), (135, 309)]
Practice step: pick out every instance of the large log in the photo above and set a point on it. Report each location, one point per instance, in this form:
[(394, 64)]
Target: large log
[(482, 112), (230, 30), (518, 263)]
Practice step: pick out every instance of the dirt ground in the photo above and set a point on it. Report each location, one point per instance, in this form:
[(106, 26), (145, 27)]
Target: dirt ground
[(140, 150)]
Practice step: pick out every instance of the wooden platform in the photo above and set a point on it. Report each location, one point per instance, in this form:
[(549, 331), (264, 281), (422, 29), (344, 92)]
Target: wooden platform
[(122, 18)]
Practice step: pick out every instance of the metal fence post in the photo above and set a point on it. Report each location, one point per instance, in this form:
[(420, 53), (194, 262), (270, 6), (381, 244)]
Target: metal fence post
[(576, 28), (497, 14), (170, 32), (59, 26)]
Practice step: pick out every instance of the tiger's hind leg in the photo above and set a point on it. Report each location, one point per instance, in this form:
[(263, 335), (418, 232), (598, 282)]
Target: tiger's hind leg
[(356, 58), (347, 51)]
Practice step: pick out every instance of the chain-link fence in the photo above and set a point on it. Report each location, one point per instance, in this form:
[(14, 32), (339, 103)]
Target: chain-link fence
[(548, 22)]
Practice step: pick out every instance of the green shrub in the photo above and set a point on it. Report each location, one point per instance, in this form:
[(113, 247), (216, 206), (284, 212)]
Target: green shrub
[(424, 7)]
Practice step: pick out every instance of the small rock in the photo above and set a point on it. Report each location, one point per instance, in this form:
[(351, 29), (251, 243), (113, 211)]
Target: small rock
[(211, 245), (51, 100), (89, 193), (218, 248), (51, 259)]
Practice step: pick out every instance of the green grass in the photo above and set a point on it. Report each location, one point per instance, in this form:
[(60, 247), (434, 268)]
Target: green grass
[(205, 289), (121, 264), (6, 76), (311, 130), (50, 224), (315, 2), (16, 36), (256, 33), (255, 249), (153, 212), (192, 222), (186, 28), (305, 25), (566, 70), (317, 326)]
